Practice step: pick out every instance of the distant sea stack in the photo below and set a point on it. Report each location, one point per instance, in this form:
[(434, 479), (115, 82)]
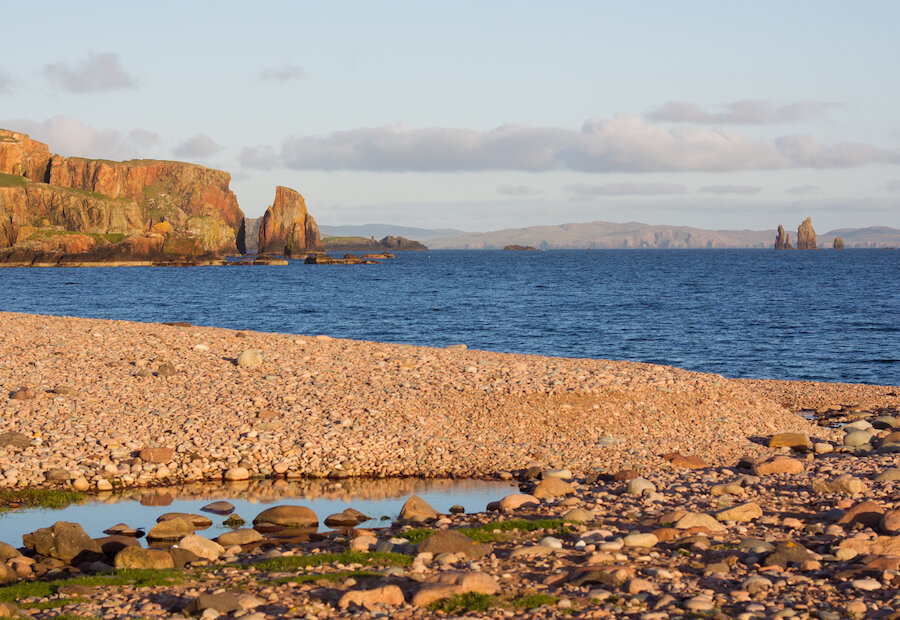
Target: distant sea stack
[(520, 248), (288, 228), (838, 244), (806, 236), (783, 239), (69, 210)]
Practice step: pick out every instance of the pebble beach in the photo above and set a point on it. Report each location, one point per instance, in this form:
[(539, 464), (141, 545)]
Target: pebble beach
[(629, 469)]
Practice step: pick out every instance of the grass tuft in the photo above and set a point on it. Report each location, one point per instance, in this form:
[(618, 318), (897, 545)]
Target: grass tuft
[(320, 559), (38, 498), (531, 601), (139, 578), (12, 180), (464, 603)]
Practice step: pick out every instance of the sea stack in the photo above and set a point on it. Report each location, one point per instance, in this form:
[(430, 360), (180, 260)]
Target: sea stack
[(783, 239), (838, 244), (288, 228), (806, 236)]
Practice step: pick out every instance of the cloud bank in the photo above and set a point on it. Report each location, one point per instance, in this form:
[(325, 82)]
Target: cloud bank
[(97, 73), (518, 190), (744, 190), (620, 144), (744, 112), (803, 189), (586, 190), (69, 137)]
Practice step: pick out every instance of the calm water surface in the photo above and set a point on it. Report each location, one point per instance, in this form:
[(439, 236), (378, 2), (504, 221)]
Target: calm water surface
[(829, 316)]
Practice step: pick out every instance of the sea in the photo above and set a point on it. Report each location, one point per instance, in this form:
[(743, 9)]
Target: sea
[(801, 315)]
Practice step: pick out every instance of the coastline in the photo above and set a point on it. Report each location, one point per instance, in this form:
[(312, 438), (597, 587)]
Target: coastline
[(322, 407)]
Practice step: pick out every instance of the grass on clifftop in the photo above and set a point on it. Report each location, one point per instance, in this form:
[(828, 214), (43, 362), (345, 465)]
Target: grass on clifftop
[(37, 498), (12, 180)]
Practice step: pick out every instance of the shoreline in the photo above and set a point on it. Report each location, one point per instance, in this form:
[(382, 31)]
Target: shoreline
[(320, 407)]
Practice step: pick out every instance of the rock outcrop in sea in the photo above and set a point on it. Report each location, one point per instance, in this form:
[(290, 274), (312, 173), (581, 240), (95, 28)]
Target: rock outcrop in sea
[(71, 210), (288, 228), (837, 244), (806, 236), (783, 239), (361, 244)]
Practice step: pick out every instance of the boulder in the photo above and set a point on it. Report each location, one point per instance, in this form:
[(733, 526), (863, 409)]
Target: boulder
[(64, 541), (794, 441), (450, 583), (8, 552), (685, 462), (741, 513), (198, 521), (417, 510), (13, 439), (138, 557), (111, 545), (349, 517), (222, 602), (239, 537), (389, 596), (157, 454), (699, 519), (452, 541), (553, 487), (219, 508), (788, 552), (778, 465), (171, 529), (868, 513), (288, 516), (251, 358), (515, 501), (890, 522), (202, 547), (842, 485)]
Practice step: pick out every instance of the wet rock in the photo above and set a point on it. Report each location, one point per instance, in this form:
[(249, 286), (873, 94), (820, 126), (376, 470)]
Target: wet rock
[(219, 508), (450, 583), (348, 518), (122, 529), (198, 521), (288, 516), (64, 541), (389, 596), (416, 510), (451, 541), (138, 557)]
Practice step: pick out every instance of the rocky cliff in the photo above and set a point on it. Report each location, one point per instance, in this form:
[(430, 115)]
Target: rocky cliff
[(53, 207), (287, 227), (837, 244), (783, 239), (806, 236)]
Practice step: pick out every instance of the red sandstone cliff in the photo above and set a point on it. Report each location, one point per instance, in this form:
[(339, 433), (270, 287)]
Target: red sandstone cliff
[(287, 227), (98, 210), (806, 236)]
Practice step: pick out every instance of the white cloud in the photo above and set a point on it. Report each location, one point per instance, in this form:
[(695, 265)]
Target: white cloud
[(803, 189), (518, 190), (621, 144), (635, 188), (745, 190), (69, 137), (744, 112), (96, 73), (285, 74), (893, 186), (200, 146)]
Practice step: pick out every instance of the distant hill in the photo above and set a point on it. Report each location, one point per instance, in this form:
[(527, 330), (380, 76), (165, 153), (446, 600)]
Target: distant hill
[(610, 235), (383, 230)]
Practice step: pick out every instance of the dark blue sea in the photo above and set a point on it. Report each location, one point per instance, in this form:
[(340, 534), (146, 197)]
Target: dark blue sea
[(824, 316)]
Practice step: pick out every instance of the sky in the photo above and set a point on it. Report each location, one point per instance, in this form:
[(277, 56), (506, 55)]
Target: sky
[(484, 115)]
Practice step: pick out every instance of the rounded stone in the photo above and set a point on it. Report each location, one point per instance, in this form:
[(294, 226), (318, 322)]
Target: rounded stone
[(288, 516), (251, 358)]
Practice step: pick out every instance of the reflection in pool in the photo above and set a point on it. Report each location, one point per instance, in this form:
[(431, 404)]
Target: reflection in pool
[(139, 508)]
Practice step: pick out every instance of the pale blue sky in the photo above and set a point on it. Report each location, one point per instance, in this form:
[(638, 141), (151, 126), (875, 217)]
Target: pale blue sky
[(483, 115)]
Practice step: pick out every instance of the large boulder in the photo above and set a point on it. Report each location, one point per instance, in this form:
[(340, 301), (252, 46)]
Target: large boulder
[(287, 227), (288, 516), (450, 583), (138, 557), (416, 510), (64, 541), (171, 529)]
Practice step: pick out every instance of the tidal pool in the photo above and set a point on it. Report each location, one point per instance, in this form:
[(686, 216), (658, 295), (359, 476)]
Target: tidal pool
[(139, 508)]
